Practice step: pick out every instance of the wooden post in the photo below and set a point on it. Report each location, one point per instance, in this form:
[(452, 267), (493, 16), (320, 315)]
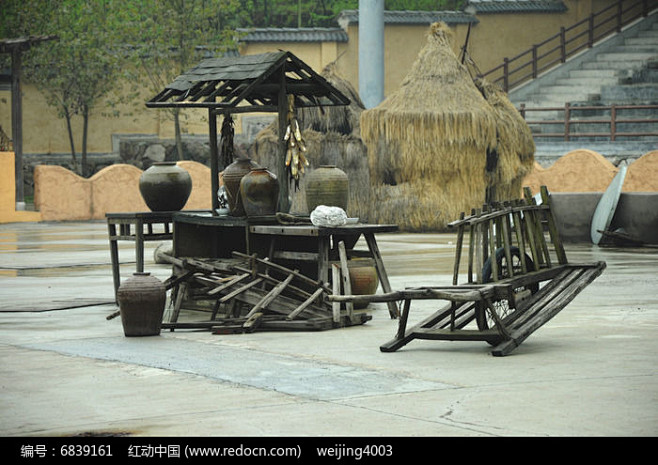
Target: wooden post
[(214, 169), (281, 172), (17, 120)]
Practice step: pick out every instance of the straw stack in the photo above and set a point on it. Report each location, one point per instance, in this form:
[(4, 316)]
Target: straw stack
[(428, 143)]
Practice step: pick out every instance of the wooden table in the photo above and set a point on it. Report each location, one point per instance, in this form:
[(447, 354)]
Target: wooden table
[(137, 227), (203, 235), (308, 243)]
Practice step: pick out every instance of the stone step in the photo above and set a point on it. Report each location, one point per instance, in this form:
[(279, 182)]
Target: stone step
[(641, 41), (651, 48), (625, 57), (594, 73), (588, 82), (648, 32), (569, 92), (615, 65)]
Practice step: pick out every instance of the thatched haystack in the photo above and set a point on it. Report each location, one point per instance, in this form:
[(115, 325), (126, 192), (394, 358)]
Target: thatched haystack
[(428, 143), (332, 138), (513, 157)]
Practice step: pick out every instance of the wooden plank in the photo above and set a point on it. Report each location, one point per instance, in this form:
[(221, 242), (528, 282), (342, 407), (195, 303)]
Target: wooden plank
[(305, 304), (287, 271), (552, 227), (273, 294), (345, 274), (381, 271), (228, 284), (458, 251), (240, 290), (335, 306), (556, 305), (520, 239)]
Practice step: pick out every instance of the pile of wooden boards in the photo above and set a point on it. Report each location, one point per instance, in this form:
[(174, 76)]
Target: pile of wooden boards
[(247, 293)]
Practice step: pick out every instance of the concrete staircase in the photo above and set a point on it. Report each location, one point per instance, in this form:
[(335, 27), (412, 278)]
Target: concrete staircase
[(583, 79), (622, 69)]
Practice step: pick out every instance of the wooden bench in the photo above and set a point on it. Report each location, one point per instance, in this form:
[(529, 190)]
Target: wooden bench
[(517, 279)]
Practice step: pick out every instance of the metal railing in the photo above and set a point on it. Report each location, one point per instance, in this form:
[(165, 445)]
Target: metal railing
[(570, 40), (576, 123)]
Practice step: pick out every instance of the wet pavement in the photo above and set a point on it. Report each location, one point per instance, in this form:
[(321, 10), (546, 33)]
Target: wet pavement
[(68, 370)]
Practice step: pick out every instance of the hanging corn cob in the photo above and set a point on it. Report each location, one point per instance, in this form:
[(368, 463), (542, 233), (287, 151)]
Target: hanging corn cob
[(295, 158)]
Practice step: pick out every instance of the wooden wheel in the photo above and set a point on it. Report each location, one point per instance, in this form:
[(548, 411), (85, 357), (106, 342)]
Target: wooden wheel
[(503, 307)]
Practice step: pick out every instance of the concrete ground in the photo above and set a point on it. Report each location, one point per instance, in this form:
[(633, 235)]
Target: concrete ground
[(67, 370)]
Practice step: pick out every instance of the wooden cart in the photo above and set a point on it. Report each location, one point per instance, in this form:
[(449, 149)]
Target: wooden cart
[(517, 279)]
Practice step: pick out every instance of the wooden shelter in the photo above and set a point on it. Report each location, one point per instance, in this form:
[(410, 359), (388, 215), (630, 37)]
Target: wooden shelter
[(428, 142), (253, 83)]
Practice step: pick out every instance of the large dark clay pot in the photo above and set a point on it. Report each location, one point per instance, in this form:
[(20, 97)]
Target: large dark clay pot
[(165, 186), (327, 185), (141, 304), (259, 191), (232, 176)]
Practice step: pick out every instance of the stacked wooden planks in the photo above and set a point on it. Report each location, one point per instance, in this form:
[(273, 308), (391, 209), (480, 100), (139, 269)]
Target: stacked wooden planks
[(247, 293)]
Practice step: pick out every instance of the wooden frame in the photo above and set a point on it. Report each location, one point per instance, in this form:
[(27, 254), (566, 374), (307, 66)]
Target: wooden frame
[(511, 296)]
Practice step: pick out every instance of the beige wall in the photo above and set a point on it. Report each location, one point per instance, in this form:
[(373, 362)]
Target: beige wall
[(8, 213), (495, 36)]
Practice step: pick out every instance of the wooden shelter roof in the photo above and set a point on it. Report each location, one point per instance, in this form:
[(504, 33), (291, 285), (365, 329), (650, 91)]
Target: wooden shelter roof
[(248, 83)]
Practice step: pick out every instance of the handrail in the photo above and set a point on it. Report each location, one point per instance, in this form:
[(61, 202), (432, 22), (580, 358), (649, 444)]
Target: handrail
[(611, 124), (566, 43)]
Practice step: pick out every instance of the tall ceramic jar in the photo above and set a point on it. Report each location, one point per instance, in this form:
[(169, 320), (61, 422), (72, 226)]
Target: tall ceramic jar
[(327, 185), (141, 300), (165, 186), (232, 176), (259, 191)]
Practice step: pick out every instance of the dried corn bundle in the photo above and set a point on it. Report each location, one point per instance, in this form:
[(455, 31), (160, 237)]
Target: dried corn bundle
[(295, 154)]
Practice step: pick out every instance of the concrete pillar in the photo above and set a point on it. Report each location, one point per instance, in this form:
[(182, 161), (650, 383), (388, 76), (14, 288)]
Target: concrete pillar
[(371, 52)]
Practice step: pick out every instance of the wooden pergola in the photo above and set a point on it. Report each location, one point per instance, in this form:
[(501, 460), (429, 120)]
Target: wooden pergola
[(244, 84)]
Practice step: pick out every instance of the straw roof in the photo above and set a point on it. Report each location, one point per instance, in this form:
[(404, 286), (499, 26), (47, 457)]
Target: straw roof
[(340, 119)]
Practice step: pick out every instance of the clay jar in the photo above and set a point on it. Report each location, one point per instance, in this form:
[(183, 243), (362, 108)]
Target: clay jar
[(165, 186), (363, 278), (232, 176), (259, 191), (327, 185), (141, 300)]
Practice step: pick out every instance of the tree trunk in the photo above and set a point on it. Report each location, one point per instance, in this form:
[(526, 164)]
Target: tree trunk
[(85, 127), (67, 115)]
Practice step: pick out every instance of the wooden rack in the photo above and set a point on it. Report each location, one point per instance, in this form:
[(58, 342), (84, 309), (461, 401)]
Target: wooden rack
[(517, 279)]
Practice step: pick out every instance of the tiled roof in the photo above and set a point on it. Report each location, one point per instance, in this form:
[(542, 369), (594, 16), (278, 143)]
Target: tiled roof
[(312, 34), (517, 6), (411, 17)]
